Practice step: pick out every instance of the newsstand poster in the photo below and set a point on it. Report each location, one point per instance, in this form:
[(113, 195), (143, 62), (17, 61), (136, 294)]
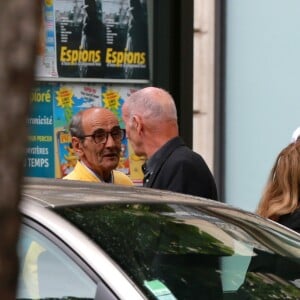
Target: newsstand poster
[(39, 159), (95, 39), (49, 150)]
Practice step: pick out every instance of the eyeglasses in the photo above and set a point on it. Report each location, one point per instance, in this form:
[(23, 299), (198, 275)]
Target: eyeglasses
[(100, 136)]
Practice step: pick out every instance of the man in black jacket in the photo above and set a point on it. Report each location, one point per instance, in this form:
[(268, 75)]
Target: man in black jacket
[(151, 124)]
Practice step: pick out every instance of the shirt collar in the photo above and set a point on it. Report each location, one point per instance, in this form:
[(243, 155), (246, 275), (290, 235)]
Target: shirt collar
[(111, 180), (161, 153)]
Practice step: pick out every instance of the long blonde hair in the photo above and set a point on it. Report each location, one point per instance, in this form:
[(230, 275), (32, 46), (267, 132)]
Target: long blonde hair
[(281, 194)]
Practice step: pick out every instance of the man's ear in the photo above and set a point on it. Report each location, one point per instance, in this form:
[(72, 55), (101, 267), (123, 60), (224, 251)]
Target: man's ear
[(137, 123), (77, 146)]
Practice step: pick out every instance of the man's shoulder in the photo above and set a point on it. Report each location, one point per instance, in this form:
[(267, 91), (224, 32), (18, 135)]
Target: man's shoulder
[(177, 147), (69, 176), (184, 154), (291, 220), (73, 175), (121, 178), (80, 172)]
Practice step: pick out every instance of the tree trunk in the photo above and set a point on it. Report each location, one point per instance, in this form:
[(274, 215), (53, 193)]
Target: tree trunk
[(19, 30)]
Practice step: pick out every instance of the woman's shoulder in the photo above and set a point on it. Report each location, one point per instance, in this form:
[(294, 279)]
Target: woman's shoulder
[(291, 220)]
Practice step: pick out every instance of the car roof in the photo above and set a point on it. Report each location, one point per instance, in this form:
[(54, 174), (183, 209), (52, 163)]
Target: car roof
[(48, 192), (57, 192)]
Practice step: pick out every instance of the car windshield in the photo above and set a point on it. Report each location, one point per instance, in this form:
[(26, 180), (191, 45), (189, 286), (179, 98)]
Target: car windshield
[(178, 252)]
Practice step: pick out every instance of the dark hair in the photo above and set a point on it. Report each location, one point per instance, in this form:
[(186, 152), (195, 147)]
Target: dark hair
[(75, 126)]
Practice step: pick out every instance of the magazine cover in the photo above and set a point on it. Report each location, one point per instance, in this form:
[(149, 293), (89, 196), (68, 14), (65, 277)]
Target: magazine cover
[(49, 150), (102, 39), (46, 56)]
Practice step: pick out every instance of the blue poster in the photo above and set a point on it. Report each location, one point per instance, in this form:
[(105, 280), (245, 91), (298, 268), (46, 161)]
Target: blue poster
[(39, 160)]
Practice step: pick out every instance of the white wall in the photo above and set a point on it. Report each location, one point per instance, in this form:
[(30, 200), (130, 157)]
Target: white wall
[(203, 119)]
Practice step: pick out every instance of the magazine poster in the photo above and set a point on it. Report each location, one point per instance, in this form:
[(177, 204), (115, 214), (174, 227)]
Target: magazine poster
[(39, 161), (46, 56), (49, 150), (102, 39), (69, 100)]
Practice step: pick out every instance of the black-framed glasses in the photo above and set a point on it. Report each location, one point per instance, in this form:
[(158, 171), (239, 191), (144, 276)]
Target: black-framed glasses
[(100, 136)]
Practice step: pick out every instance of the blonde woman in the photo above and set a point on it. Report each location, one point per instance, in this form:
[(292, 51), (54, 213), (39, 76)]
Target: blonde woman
[(280, 200)]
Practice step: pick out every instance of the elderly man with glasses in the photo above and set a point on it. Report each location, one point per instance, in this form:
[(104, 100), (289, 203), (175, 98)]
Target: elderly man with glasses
[(96, 139)]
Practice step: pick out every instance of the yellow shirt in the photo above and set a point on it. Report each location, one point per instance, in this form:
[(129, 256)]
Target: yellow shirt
[(81, 172)]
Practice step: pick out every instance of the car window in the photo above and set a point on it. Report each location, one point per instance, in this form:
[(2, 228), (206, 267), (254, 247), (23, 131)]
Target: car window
[(179, 252), (46, 272)]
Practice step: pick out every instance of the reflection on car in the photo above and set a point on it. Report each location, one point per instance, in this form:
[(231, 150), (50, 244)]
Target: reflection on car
[(100, 241)]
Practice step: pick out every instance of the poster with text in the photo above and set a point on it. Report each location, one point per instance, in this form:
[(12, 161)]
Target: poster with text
[(69, 100), (102, 39), (49, 151), (39, 160), (46, 57)]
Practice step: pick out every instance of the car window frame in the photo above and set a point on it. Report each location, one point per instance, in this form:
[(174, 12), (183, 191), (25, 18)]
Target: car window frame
[(103, 291)]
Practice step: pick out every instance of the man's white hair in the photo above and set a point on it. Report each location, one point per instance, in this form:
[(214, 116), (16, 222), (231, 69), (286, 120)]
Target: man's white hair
[(152, 103)]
